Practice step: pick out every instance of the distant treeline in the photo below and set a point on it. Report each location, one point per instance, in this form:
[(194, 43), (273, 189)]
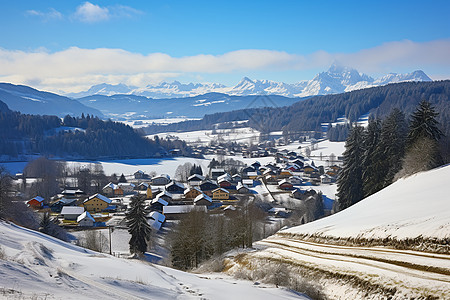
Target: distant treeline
[(34, 134), (309, 114)]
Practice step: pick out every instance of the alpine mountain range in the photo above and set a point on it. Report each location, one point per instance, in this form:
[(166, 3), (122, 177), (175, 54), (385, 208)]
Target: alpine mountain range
[(337, 79)]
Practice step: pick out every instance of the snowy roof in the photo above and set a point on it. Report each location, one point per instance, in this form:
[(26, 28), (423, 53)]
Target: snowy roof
[(180, 185), (38, 199), (154, 224), (252, 174), (157, 216), (111, 185), (225, 176), (240, 185), (194, 188), (86, 214), (159, 200), (164, 193), (72, 210), (202, 196), (217, 170), (99, 196), (180, 209), (283, 181), (196, 176), (126, 184), (221, 189)]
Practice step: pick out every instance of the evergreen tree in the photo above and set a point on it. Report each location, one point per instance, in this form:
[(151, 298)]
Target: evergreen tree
[(350, 184), (423, 123), (371, 174), (422, 143), (393, 139), (122, 179), (138, 226)]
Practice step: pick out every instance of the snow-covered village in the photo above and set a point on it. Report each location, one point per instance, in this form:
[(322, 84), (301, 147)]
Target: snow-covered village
[(225, 150)]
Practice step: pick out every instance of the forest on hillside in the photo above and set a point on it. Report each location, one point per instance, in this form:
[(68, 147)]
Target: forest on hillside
[(309, 114), (76, 137)]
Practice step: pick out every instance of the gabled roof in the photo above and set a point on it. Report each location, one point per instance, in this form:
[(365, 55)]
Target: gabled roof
[(240, 185), (180, 185), (38, 199), (202, 196), (229, 208), (111, 185), (86, 214), (160, 201), (284, 181), (196, 177), (72, 210), (194, 188), (126, 184), (99, 196), (221, 189), (157, 216), (164, 193), (162, 176)]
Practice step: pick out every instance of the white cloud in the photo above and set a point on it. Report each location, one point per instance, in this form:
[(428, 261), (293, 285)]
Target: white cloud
[(75, 68), (91, 13), (51, 14)]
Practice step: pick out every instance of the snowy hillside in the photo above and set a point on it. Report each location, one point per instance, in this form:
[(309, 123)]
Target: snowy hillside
[(336, 79), (339, 254), (36, 266), (411, 207)]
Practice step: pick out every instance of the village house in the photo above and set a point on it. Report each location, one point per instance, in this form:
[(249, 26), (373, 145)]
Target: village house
[(112, 190), (162, 179), (158, 204), (58, 205), (242, 189), (295, 180), (285, 185), (96, 203), (127, 187), (140, 175), (85, 220), (175, 187), (203, 199), (207, 186), (195, 179), (236, 178), (191, 193), (220, 194), (216, 173), (36, 202), (143, 186), (71, 213), (326, 179), (165, 195), (285, 173)]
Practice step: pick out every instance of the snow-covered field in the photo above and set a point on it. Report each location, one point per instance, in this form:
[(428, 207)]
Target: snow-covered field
[(413, 207), (36, 266), (139, 123), (204, 137)]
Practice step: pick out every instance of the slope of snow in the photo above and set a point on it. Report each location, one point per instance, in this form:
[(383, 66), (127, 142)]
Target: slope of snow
[(411, 207), (36, 266)]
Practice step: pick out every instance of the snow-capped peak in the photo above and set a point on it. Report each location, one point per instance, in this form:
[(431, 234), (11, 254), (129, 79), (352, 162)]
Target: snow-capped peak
[(337, 79)]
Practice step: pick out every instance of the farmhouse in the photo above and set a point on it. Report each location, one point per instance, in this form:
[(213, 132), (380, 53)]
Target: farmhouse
[(192, 193), (220, 194), (162, 179), (285, 185), (36, 202), (71, 212), (195, 179), (175, 187), (202, 199), (85, 220), (96, 203)]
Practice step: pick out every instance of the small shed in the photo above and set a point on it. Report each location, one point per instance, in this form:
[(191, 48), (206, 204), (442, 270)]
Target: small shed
[(203, 200), (36, 202), (85, 220)]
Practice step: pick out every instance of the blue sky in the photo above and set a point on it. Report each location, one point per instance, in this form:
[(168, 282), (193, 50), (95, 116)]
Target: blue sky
[(70, 45)]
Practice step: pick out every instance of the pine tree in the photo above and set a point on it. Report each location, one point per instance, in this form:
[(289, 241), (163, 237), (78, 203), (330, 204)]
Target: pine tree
[(122, 179), (350, 184), (422, 143), (138, 226), (371, 175), (423, 123)]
